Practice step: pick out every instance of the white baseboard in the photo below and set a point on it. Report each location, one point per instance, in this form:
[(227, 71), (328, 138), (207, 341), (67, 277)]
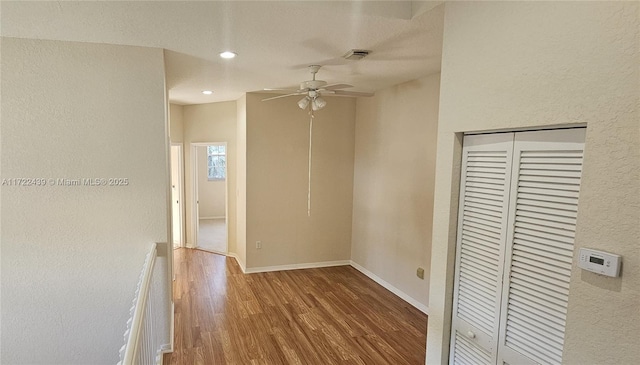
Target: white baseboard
[(212, 251), (172, 331), (164, 349), (222, 217), (309, 265), (239, 261), (404, 296)]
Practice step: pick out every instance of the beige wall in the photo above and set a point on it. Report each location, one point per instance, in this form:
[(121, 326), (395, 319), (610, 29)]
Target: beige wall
[(514, 65), (277, 176), (393, 184), (176, 124), (211, 194), (214, 122), (241, 186), (72, 255)]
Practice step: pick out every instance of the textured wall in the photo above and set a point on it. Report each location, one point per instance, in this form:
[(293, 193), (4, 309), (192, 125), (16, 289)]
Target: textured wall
[(524, 65), (71, 255), (394, 174), (277, 177), (213, 122)]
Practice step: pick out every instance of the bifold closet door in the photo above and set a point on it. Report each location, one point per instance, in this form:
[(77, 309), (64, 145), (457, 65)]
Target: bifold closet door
[(482, 222), (547, 166), (516, 228)]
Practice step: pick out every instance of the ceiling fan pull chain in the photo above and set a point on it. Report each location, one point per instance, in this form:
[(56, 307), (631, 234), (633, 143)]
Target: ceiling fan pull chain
[(310, 141)]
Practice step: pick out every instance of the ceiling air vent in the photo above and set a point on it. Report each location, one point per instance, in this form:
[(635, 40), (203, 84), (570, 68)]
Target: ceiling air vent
[(356, 54)]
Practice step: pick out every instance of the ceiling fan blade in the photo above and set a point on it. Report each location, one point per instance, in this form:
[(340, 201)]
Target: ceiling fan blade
[(351, 93), (288, 91), (282, 96), (337, 86)]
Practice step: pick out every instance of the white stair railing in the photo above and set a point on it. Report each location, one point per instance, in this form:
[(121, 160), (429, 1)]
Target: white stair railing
[(145, 337)]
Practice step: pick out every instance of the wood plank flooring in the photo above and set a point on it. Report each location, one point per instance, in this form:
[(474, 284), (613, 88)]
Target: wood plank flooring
[(313, 316)]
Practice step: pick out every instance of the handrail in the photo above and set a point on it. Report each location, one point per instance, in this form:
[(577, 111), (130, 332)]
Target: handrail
[(132, 336)]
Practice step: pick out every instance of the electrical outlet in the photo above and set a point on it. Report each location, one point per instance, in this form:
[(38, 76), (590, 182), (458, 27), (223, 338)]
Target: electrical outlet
[(420, 273), (258, 244)]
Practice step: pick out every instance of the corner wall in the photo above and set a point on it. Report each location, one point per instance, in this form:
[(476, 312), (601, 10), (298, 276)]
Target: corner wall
[(508, 65), (394, 176), (277, 179), (241, 187), (176, 125), (72, 254)]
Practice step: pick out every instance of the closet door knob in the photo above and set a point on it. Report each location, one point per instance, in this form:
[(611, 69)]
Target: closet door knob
[(471, 334)]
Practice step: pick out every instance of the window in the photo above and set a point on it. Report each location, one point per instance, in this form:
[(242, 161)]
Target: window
[(216, 162)]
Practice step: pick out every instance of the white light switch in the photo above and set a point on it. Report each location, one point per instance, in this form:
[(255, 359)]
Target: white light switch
[(600, 262)]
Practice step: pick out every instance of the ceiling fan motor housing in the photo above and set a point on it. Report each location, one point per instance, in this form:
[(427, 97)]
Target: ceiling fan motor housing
[(312, 84)]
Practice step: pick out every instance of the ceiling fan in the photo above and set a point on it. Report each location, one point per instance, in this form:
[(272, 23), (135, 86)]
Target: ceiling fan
[(314, 90)]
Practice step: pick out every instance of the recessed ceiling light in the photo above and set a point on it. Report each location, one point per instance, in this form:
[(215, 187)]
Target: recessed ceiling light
[(227, 54), (207, 92)]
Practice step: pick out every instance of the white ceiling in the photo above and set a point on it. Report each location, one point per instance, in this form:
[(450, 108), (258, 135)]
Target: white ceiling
[(274, 40)]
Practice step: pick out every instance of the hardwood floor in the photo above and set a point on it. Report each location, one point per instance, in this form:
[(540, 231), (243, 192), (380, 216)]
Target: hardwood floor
[(313, 316)]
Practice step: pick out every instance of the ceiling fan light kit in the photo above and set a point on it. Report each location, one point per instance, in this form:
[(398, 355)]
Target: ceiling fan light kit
[(304, 102), (318, 103)]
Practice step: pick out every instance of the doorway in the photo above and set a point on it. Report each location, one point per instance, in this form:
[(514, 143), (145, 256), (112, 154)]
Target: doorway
[(209, 176), (177, 196)]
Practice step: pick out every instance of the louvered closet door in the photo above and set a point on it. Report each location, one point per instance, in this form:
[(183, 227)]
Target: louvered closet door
[(542, 218), (485, 182)]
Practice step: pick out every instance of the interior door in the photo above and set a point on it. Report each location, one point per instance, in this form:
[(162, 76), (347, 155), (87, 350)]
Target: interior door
[(542, 220), (196, 201), (176, 195), (484, 197)]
